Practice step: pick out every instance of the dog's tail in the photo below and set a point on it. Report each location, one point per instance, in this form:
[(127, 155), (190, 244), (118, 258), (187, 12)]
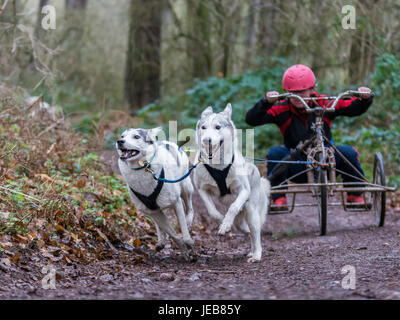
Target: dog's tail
[(266, 188)]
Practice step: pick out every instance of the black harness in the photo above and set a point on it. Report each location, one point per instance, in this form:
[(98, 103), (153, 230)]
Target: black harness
[(151, 200), (220, 177)]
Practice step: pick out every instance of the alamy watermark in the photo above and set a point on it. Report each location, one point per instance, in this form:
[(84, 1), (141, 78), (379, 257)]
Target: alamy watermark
[(349, 281), (49, 20), (49, 280), (349, 20)]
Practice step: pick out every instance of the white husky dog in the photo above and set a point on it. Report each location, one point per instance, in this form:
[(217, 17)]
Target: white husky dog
[(225, 172), (138, 149)]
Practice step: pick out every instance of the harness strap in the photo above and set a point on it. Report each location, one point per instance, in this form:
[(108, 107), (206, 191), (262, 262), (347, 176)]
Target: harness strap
[(151, 200), (220, 177)]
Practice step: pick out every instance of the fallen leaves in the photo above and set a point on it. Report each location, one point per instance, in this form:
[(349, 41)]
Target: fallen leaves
[(22, 238), (75, 237), (137, 242), (16, 258), (59, 228), (6, 245), (394, 201), (4, 215), (6, 261), (44, 177), (67, 259), (83, 214), (80, 184)]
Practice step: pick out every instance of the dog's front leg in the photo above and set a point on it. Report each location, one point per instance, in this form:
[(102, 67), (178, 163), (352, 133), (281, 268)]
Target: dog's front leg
[(160, 237), (180, 214), (234, 209), (212, 210), (160, 218)]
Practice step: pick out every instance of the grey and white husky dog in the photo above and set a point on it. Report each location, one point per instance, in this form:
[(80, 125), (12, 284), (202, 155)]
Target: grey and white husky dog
[(224, 172), (138, 147)]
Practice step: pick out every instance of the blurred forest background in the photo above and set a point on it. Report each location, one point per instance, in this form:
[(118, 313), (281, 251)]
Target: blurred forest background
[(161, 60)]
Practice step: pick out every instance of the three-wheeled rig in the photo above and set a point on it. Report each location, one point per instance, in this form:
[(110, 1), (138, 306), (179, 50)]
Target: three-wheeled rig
[(321, 170)]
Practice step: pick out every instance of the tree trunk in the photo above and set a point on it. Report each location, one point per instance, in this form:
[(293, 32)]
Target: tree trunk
[(8, 11), (199, 41), (39, 30), (269, 35), (231, 21), (253, 30), (75, 12), (76, 4), (75, 16), (142, 72)]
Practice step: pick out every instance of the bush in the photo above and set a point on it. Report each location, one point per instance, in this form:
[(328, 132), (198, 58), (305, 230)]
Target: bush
[(378, 129)]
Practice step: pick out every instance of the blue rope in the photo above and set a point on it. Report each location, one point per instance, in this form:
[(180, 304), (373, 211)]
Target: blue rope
[(194, 166), (281, 161), (178, 180)]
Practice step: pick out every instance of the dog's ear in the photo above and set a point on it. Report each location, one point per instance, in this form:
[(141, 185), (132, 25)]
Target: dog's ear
[(208, 111), (152, 133), (227, 111)]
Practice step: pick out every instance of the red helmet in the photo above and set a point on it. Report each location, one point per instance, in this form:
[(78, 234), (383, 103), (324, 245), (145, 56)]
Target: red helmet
[(298, 77)]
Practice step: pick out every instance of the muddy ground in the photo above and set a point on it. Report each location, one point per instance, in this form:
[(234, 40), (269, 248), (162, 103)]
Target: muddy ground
[(297, 263)]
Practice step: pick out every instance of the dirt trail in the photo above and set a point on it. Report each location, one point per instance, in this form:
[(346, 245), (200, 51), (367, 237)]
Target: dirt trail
[(296, 264)]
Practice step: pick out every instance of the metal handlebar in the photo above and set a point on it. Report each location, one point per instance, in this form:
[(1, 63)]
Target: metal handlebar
[(349, 93)]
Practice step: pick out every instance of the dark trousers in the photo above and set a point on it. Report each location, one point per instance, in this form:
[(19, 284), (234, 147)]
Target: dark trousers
[(279, 152)]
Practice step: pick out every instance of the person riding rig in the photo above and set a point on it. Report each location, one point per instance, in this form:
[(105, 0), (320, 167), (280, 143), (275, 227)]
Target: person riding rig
[(295, 126)]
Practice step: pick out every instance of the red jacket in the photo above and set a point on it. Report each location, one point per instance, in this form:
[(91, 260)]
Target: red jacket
[(294, 124)]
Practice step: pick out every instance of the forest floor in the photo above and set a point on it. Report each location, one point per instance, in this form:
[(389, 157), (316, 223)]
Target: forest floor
[(297, 263)]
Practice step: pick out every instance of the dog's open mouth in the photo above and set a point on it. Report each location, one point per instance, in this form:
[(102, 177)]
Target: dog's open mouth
[(212, 151), (127, 154)]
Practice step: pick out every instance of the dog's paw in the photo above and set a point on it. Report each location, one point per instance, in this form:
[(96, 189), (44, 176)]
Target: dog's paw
[(253, 260), (254, 257), (224, 228)]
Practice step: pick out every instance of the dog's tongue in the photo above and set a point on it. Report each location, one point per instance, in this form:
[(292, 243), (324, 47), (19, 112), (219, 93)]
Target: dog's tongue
[(129, 153), (126, 153), (210, 150)]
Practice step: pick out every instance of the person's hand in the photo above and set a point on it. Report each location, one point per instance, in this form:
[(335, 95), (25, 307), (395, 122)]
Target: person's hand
[(367, 92), (269, 94)]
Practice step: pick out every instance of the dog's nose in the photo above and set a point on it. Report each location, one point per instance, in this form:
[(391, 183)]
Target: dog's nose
[(207, 141), (120, 142)]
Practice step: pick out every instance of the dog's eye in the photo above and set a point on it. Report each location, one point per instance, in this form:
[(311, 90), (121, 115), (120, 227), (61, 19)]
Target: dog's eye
[(217, 127), (136, 136), (203, 127)]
